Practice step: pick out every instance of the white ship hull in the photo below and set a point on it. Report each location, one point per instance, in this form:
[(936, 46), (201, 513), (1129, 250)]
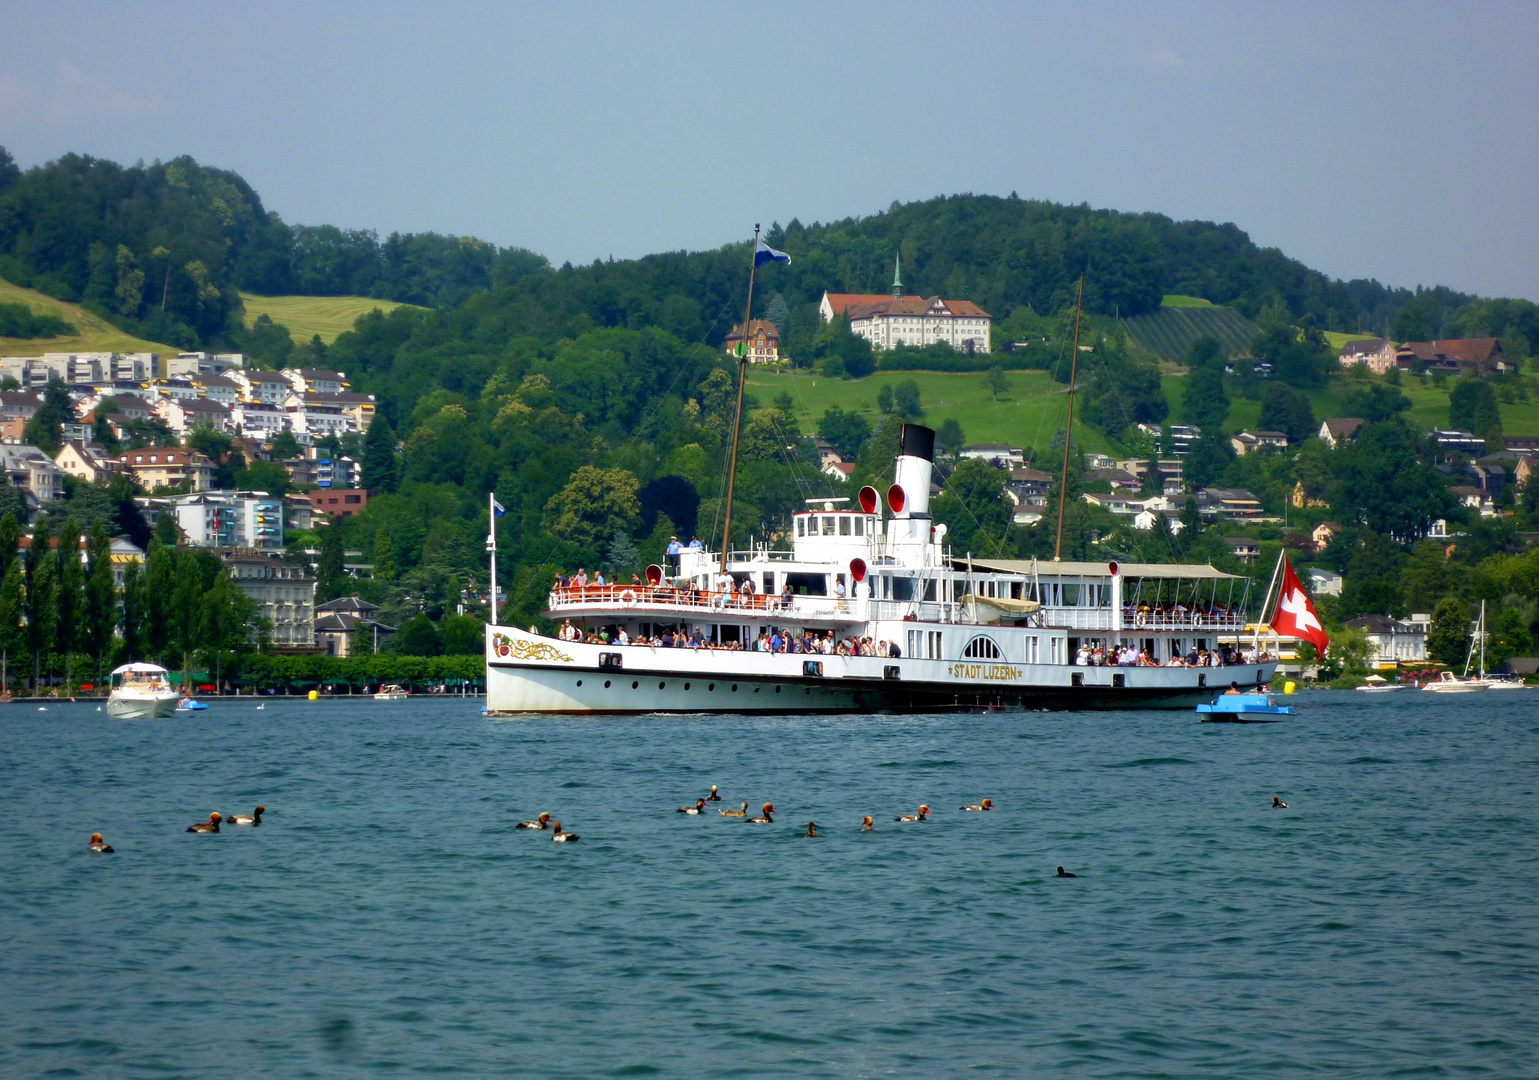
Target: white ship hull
[(141, 705), (531, 674)]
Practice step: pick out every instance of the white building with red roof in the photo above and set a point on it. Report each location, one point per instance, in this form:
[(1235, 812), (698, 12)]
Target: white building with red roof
[(890, 321)]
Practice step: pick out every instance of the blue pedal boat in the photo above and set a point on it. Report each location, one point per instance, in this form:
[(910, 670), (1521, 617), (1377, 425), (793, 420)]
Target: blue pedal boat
[(1243, 709), (190, 705)]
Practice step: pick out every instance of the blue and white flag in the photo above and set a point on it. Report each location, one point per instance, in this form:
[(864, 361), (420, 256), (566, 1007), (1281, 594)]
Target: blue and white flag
[(497, 507), (763, 253)]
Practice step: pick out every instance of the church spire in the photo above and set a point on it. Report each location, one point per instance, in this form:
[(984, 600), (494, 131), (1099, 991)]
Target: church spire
[(897, 277)]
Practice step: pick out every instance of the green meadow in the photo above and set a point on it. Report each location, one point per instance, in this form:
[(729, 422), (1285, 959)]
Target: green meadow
[(96, 334), (306, 316)]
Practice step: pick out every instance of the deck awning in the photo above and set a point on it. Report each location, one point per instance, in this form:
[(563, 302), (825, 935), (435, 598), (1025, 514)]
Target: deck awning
[(1049, 568)]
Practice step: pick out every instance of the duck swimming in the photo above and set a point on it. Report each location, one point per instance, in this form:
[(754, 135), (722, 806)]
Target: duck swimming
[(211, 825), (1278, 804), (699, 806), (923, 815), (1063, 873), (812, 830), (541, 822), (766, 817), (735, 813), (247, 819), (561, 837), (867, 825), (713, 797), (986, 804), (100, 846)]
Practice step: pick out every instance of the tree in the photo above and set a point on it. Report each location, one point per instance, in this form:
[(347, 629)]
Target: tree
[(461, 635), (1209, 456), (1285, 409), (951, 436), (384, 555), (1351, 649), (39, 571), (100, 611), (226, 618), (594, 505), (70, 595), (133, 611), (45, 429), (1376, 404), (418, 636), (905, 400), (285, 446), (381, 471), (997, 382), (186, 609), (10, 540), (159, 583), (973, 507), (1448, 639), (331, 572), (884, 399), (12, 608), (166, 530), (845, 431), (1204, 401)]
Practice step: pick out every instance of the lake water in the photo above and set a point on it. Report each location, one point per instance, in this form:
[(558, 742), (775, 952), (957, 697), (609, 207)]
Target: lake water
[(387, 919)]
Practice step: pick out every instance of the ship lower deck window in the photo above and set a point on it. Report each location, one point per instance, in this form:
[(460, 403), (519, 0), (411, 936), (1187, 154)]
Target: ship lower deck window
[(982, 648)]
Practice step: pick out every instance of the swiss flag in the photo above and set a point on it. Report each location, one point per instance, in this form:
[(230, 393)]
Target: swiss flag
[(1295, 615)]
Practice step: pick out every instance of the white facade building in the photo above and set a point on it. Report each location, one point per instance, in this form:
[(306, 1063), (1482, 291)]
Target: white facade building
[(890, 321)]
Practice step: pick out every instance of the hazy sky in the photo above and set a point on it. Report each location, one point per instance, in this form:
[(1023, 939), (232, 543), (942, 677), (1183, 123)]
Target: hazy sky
[(1398, 141)]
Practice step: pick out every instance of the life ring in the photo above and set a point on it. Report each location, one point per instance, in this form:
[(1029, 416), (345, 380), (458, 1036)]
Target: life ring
[(719, 602), (628, 598)]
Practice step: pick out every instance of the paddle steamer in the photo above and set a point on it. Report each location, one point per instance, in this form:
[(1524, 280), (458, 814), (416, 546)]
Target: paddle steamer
[(936, 631)]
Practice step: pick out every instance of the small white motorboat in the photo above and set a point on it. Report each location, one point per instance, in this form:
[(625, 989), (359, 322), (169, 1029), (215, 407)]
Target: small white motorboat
[(391, 693), (141, 692), (1449, 683), (1496, 682), (1378, 684)]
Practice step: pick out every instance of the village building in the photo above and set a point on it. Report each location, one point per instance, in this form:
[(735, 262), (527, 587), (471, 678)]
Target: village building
[(1247, 442), (1378, 355), (1394, 642), (1321, 535), (890, 321), (160, 466), (87, 461), (316, 380), (1324, 582), (284, 595), (347, 627), (33, 472), (998, 455), (1455, 356), (337, 502), (763, 341), (1341, 429)]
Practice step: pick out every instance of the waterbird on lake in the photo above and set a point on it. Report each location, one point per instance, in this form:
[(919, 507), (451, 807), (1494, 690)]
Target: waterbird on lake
[(812, 830), (766, 817), (211, 825), (986, 804), (541, 822), (261, 706), (713, 797), (247, 819), (1063, 873), (699, 806), (923, 815), (735, 813), (100, 846), (1278, 804), (562, 837)]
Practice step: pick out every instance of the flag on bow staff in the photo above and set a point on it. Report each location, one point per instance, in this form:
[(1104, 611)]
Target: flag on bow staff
[(1295, 615)]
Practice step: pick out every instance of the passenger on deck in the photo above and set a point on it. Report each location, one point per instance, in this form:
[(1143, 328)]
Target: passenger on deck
[(580, 580)]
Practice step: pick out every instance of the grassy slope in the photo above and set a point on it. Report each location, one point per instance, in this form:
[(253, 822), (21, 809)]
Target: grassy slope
[(1177, 300), (306, 316), (1429, 406), (1336, 339), (96, 335), (1029, 416)]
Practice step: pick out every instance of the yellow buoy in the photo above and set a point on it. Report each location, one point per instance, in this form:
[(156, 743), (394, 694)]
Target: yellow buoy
[(1289, 687), (315, 695)]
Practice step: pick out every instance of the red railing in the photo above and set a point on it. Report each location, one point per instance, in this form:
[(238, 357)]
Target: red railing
[(626, 596)]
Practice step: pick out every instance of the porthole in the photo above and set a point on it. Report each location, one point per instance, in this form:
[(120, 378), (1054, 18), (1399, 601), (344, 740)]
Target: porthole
[(661, 685), (634, 685), (757, 689), (579, 682), (734, 688), (712, 686), (777, 689), (606, 684), (686, 686)]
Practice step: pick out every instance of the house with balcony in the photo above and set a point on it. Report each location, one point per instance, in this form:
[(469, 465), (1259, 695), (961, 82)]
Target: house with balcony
[(160, 466), (1395, 643), (1248, 442), (316, 380)]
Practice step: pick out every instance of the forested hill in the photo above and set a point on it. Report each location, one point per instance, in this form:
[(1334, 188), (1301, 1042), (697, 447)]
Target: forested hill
[(163, 249)]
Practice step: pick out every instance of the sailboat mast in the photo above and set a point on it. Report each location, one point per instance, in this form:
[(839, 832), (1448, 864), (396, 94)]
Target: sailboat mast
[(1068, 431), (737, 421)]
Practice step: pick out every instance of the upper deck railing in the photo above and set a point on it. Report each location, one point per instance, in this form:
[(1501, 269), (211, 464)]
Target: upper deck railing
[(701, 603)]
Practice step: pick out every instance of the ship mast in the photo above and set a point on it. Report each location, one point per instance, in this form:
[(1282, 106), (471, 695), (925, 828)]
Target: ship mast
[(737, 421), (1068, 431)]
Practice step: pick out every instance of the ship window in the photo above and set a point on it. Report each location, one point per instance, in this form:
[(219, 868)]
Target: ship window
[(828, 525), (844, 525), (860, 526), (982, 648), (903, 588), (801, 526), (929, 590)]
